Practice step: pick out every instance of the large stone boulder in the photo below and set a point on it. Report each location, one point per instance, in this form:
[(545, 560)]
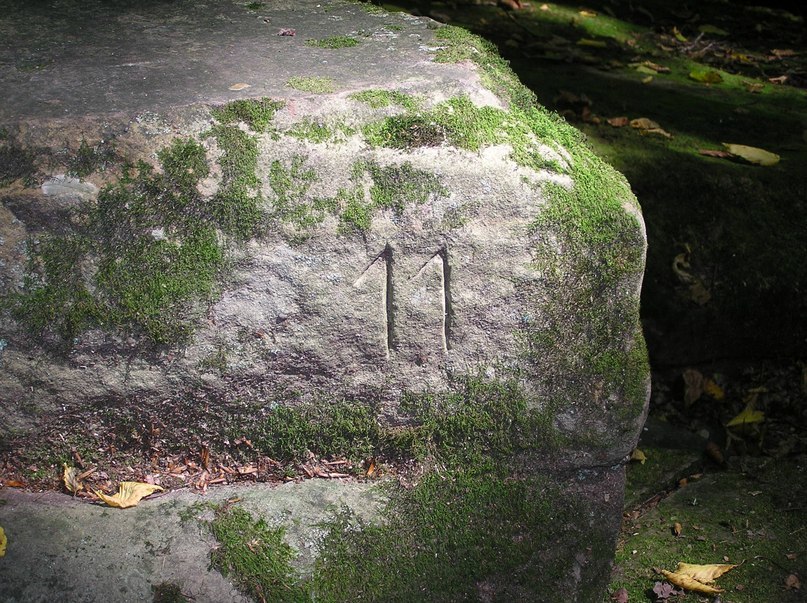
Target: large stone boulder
[(361, 241)]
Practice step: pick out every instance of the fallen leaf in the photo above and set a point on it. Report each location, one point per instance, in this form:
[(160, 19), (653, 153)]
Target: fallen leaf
[(591, 43), (620, 596), (643, 123), (587, 13), (746, 417), (70, 479), (677, 529), (240, 86), (13, 483), (791, 556), (647, 80), (713, 452), (664, 591), (706, 77), (781, 79), (3, 542), (544, 7), (703, 573), (654, 67), (713, 153), (784, 52), (752, 154), (618, 122), (713, 389), (711, 29), (693, 386), (129, 494), (678, 35), (371, 469), (688, 583), (658, 131), (639, 456)]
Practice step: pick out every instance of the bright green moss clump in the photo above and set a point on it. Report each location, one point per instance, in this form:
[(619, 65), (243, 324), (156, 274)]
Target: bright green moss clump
[(317, 85), (333, 42), (256, 113), (461, 45), (255, 556)]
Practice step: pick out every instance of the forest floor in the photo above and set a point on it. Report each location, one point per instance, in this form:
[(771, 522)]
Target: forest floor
[(663, 90)]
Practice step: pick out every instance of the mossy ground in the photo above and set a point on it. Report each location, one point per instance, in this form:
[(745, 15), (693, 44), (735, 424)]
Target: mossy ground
[(750, 515)]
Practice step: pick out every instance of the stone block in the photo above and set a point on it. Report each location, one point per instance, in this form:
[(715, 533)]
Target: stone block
[(369, 225)]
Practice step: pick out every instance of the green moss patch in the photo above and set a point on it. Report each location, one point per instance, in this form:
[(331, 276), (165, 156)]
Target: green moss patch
[(149, 251), (317, 85), (393, 187), (255, 556), (452, 536), (333, 42), (729, 517), (460, 45), (378, 98), (256, 113)]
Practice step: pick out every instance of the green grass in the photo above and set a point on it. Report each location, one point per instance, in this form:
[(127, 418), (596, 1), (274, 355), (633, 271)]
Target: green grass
[(317, 85)]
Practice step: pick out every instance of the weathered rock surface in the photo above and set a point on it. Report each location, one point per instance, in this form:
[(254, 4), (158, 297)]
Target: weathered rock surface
[(383, 216)]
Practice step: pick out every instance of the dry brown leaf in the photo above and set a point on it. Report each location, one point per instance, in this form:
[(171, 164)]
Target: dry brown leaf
[(618, 122), (792, 582), (677, 529), (239, 86), (778, 80), (703, 573), (693, 386), (13, 483), (129, 494), (689, 583), (71, 479)]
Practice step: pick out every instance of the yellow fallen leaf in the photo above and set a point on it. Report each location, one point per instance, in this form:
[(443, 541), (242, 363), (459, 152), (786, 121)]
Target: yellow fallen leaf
[(638, 455), (688, 583), (3, 542), (643, 123), (587, 13), (703, 573), (706, 77), (752, 154), (70, 479), (239, 86), (711, 29), (129, 494), (746, 417), (713, 389), (678, 35), (658, 131)]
